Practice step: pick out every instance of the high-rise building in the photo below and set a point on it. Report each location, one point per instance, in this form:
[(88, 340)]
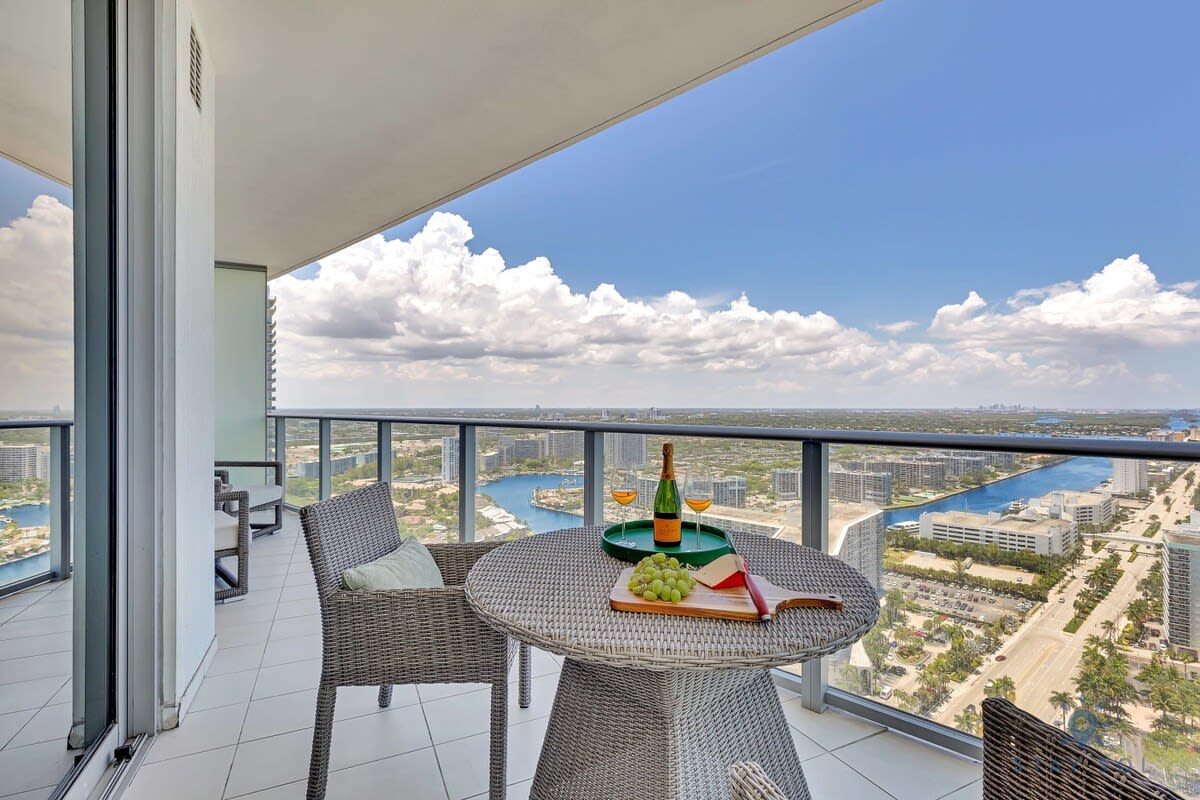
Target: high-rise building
[(507, 450), (1047, 537), (785, 483), (529, 447), (856, 536), (729, 491), (958, 466), (911, 473), (449, 459), (1000, 460), (1129, 476), (1181, 584), (625, 450), (564, 444), (860, 487), (23, 461), (270, 352)]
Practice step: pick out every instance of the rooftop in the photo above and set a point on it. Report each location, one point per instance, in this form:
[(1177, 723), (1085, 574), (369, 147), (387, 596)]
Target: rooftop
[(1034, 527)]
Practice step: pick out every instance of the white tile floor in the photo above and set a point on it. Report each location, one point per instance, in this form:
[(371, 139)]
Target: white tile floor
[(35, 681), (249, 729)]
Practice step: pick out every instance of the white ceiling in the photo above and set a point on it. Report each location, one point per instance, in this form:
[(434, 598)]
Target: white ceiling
[(338, 120)]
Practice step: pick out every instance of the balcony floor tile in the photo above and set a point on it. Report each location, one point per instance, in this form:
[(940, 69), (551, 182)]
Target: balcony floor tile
[(911, 770), (249, 732)]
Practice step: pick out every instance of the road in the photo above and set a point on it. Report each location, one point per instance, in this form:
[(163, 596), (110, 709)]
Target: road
[(1041, 657)]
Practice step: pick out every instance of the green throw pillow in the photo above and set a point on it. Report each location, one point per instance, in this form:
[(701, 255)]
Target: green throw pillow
[(409, 566)]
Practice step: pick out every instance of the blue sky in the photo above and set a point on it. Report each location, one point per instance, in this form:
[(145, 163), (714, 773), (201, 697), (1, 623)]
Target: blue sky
[(922, 161), (986, 146)]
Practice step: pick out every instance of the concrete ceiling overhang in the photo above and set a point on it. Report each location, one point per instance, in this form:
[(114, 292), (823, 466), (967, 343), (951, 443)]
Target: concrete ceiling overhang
[(338, 120)]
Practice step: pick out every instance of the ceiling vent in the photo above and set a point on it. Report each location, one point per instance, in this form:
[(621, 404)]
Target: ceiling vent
[(194, 67)]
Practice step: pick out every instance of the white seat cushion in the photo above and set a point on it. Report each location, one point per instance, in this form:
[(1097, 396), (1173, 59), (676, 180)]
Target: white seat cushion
[(261, 495), (225, 531)]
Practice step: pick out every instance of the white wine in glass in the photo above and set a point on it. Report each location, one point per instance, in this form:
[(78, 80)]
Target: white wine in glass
[(624, 490), (698, 494)]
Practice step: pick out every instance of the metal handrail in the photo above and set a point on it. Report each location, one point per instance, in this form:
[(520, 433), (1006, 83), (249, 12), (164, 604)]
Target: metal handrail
[(1008, 443), (35, 423), (814, 688)]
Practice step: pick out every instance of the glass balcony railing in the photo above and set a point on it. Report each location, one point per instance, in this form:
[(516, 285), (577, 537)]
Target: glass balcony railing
[(1027, 567), (35, 502)]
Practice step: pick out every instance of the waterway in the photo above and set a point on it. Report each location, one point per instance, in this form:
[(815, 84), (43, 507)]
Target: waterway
[(513, 494), (1075, 474), (27, 516)]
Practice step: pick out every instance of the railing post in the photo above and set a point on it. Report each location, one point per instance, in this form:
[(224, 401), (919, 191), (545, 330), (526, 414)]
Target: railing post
[(60, 502), (324, 460), (466, 483), (814, 510), (593, 478), (281, 451), (383, 451)]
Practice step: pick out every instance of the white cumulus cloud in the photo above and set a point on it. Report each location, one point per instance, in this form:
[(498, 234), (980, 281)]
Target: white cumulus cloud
[(36, 317), (426, 321), (896, 328)]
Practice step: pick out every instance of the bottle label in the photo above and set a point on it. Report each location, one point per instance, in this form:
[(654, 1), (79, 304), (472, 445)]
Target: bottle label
[(667, 529)]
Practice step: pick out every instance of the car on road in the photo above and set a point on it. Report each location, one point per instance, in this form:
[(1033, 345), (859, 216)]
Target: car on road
[(1001, 657), (1062, 599)]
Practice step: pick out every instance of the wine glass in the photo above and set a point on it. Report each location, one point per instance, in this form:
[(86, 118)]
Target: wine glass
[(623, 486), (698, 494)]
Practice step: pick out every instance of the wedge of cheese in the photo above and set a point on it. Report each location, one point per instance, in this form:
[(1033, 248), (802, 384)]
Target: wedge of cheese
[(725, 572)]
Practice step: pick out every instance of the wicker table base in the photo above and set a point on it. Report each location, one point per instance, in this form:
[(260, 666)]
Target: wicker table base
[(618, 732)]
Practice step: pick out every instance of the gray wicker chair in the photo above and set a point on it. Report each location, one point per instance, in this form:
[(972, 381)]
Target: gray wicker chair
[(1024, 757), (381, 638), (748, 781), (231, 537), (266, 500)]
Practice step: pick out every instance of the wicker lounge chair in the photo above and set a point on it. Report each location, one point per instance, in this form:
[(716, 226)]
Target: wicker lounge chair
[(381, 638), (1024, 757), (748, 782), (266, 500), (231, 537)]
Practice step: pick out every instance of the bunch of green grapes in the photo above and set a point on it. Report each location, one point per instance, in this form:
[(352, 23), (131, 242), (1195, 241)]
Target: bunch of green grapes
[(657, 577)]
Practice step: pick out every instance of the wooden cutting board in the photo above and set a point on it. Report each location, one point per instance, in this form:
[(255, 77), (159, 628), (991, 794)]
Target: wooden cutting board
[(718, 603)]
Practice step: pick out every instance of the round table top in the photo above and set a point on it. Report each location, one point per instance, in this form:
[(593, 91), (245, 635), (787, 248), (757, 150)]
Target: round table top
[(551, 591)]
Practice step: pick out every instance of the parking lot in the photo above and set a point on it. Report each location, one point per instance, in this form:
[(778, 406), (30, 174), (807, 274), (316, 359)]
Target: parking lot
[(961, 602)]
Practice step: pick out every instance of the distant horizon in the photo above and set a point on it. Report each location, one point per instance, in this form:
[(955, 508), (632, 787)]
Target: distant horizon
[(1193, 411)]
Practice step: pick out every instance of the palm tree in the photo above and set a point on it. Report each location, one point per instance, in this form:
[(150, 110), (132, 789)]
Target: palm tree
[(1004, 686), (969, 721), (1065, 701), (1109, 627)]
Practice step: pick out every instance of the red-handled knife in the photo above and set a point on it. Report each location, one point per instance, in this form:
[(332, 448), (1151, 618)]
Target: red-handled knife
[(760, 604)]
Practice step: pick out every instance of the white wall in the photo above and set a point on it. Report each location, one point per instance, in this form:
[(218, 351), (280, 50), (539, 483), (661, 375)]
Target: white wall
[(188, 303), (241, 381)]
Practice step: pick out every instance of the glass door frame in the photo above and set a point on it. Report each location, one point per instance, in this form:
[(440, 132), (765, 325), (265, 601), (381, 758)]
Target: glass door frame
[(115, 108)]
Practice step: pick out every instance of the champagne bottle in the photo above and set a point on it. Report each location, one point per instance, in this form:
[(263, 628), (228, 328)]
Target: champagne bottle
[(666, 502)]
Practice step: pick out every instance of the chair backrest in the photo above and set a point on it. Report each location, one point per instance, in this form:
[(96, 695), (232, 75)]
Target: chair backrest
[(1024, 757), (349, 530)]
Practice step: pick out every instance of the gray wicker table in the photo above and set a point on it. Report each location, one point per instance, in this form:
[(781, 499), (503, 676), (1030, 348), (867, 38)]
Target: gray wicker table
[(660, 706)]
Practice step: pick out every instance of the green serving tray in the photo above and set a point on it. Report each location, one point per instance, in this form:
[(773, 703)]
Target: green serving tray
[(640, 534)]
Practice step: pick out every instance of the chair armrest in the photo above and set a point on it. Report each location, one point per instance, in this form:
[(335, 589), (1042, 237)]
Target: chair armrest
[(225, 499), (456, 560), (240, 497), (414, 626), (277, 466)]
